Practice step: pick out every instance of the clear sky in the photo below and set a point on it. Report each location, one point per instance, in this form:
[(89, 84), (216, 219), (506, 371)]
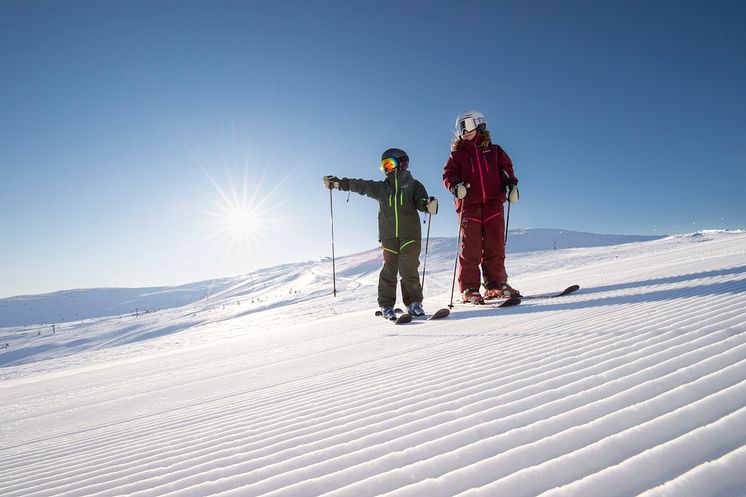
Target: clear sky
[(163, 142)]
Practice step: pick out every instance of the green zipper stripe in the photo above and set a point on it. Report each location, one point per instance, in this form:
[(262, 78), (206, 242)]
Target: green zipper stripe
[(389, 250), (396, 210)]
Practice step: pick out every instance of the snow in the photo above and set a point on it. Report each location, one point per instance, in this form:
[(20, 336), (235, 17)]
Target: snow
[(635, 385)]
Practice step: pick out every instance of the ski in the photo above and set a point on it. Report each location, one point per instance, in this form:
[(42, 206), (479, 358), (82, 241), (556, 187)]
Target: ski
[(509, 302), (439, 314), (403, 318), (505, 303), (566, 291)]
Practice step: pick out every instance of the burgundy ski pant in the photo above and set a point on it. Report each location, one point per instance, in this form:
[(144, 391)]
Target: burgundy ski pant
[(482, 243)]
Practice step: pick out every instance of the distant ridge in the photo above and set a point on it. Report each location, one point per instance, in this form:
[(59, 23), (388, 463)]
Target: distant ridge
[(531, 240)]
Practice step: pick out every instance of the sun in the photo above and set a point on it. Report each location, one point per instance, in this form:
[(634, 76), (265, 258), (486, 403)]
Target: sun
[(240, 222), (242, 214)]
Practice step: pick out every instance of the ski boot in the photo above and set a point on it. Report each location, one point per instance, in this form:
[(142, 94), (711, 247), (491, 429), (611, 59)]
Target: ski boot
[(415, 309), (501, 291), (388, 313), (472, 296)]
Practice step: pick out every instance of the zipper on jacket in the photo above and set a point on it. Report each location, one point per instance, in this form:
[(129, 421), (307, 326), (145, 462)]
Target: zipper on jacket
[(396, 209), (481, 176)]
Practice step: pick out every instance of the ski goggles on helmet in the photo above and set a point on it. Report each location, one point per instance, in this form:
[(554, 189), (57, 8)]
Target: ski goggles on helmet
[(468, 124), (389, 164)]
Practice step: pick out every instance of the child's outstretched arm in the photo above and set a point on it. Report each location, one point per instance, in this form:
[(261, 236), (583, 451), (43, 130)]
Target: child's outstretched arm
[(365, 187)]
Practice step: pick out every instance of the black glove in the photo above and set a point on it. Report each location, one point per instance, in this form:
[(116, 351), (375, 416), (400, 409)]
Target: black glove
[(344, 184)]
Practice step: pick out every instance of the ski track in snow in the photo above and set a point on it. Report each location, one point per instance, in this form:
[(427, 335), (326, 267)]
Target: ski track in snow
[(635, 385)]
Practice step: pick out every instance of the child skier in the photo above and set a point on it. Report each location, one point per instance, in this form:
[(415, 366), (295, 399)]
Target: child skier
[(399, 197)]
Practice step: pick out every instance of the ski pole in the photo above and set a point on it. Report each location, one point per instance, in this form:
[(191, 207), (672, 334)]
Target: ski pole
[(427, 243), (507, 222), (458, 250), (334, 268)]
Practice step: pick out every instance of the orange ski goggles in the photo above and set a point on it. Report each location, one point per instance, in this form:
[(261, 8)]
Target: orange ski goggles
[(389, 164)]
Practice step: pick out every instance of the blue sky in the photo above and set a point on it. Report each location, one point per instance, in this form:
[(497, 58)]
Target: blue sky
[(129, 129)]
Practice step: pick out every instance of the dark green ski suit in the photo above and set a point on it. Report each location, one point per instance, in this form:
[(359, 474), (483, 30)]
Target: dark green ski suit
[(399, 197)]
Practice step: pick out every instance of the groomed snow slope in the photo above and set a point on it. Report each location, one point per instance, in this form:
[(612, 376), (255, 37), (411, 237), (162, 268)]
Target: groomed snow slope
[(636, 385)]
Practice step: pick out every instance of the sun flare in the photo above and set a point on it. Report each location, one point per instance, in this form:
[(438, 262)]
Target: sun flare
[(240, 222), (242, 213)]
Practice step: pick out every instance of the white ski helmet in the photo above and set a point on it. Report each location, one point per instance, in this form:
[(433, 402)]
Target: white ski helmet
[(469, 121)]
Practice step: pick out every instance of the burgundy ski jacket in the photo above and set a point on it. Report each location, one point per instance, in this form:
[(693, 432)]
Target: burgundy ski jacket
[(488, 171)]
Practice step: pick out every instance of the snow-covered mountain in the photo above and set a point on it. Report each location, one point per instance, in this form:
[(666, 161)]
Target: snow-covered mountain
[(635, 385), (75, 305)]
